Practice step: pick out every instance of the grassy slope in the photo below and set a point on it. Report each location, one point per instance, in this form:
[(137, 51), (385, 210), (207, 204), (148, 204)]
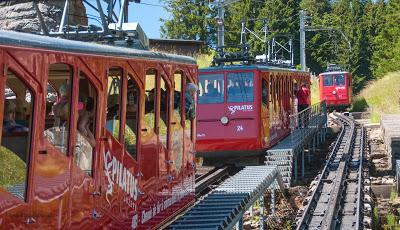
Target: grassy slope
[(314, 90), (380, 97)]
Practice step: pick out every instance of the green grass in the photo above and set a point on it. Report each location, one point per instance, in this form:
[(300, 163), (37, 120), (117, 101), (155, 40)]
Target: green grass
[(314, 90), (12, 169), (380, 97)]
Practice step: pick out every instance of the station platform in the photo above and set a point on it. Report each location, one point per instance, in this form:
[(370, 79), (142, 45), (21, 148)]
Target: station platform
[(225, 206), (308, 130)]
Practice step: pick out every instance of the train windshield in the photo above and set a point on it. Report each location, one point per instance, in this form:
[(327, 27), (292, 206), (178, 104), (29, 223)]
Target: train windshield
[(328, 80), (340, 80), (211, 89), (240, 87)]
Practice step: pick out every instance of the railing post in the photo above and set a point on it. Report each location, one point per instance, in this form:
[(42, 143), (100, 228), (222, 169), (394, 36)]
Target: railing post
[(262, 211)]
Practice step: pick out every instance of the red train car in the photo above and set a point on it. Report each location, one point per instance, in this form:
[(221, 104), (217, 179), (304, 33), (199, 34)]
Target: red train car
[(93, 136), (336, 88), (243, 110)]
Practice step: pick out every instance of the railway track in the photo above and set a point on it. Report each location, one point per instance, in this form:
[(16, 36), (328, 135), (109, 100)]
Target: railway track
[(336, 198), (208, 178)]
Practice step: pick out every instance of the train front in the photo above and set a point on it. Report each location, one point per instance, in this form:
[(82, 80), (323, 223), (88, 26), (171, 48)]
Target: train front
[(335, 89), (227, 112)]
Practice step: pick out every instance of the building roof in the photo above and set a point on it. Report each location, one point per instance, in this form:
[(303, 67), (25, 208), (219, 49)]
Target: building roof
[(11, 38)]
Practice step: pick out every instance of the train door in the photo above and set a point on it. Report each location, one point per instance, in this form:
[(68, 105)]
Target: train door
[(153, 134), (340, 86), (112, 149), (328, 88), (131, 97), (264, 108), (18, 95), (188, 104), (84, 114), (177, 156)]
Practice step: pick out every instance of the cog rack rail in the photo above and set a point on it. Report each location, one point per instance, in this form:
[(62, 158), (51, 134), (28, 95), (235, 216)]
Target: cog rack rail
[(225, 206)]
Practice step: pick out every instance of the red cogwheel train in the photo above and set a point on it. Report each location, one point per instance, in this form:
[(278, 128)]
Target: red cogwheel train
[(335, 87), (93, 136), (244, 109)]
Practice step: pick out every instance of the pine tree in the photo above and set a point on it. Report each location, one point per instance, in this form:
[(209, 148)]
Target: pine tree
[(386, 56), (320, 46), (191, 19)]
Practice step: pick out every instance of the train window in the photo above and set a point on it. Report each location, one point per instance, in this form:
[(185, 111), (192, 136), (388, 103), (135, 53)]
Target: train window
[(149, 115), (178, 96), (211, 89), (60, 77), (328, 80), (340, 80), (164, 99), (240, 87), (16, 135), (86, 125), (190, 110), (114, 101), (132, 102), (264, 92)]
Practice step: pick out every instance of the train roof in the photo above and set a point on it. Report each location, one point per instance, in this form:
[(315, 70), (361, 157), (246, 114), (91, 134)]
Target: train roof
[(12, 38), (248, 67), (334, 72)]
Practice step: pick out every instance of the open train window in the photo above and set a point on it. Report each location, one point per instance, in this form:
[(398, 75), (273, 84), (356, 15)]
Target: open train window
[(132, 102), (211, 89), (164, 99), (240, 87), (178, 96), (264, 92), (59, 82), (150, 100), (340, 80), (114, 101), (86, 125), (15, 136), (189, 103), (327, 80)]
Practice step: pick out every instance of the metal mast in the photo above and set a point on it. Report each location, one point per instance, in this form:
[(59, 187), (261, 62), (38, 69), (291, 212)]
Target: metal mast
[(302, 40)]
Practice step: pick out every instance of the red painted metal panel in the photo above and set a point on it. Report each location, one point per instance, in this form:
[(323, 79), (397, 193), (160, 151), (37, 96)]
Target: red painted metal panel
[(123, 192)]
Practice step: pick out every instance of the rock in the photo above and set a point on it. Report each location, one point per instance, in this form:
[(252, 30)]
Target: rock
[(390, 181), (367, 208), (367, 222), (367, 199), (22, 16)]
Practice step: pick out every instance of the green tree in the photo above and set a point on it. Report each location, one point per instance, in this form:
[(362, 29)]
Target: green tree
[(191, 19), (386, 56)]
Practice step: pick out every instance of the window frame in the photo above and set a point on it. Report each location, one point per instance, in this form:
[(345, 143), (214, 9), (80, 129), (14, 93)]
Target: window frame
[(252, 75), (33, 87)]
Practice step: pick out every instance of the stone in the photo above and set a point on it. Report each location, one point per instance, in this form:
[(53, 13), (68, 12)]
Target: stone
[(367, 222), (22, 15)]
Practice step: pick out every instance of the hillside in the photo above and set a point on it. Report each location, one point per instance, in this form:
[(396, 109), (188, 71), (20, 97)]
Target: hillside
[(380, 97)]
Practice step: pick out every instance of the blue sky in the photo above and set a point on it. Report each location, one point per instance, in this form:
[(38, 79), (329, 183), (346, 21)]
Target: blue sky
[(148, 14)]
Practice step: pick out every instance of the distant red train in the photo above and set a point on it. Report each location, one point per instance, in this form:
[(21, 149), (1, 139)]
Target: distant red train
[(335, 88), (244, 109), (93, 136)]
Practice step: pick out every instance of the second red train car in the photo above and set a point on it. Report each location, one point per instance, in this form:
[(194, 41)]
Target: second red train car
[(244, 109)]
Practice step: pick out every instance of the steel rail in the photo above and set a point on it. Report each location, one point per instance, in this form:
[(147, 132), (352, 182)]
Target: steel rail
[(360, 180), (314, 193), (336, 205)]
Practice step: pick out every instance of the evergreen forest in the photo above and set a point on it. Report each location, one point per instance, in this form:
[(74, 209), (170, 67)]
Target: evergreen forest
[(362, 35)]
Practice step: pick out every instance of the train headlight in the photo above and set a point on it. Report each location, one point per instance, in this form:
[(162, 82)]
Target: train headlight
[(334, 92), (224, 120)]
